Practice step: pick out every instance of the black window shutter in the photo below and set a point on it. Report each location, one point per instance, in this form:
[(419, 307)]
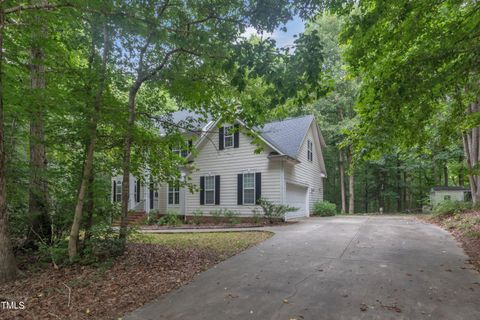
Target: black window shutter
[(202, 190), (220, 138), (114, 191), (138, 190), (151, 195), (258, 186), (236, 137), (190, 144), (240, 189), (217, 190)]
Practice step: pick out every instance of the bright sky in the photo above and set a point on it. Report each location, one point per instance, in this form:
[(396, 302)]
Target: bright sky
[(282, 38)]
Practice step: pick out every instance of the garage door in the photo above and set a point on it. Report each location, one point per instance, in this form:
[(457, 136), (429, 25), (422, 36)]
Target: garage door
[(297, 197)]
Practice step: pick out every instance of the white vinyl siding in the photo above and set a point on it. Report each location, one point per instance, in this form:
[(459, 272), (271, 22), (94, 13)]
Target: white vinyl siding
[(228, 163), (308, 173), (249, 188)]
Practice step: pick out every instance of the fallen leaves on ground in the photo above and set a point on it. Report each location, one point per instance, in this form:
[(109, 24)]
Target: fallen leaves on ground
[(465, 227), (142, 274)]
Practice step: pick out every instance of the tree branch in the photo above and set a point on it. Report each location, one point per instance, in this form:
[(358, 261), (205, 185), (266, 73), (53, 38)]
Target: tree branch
[(45, 6)]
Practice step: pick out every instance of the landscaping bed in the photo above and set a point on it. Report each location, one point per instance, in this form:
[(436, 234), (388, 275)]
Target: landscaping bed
[(211, 225), (465, 227), (154, 265)]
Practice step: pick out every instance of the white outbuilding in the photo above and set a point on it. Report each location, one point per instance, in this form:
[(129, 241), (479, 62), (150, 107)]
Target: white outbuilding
[(440, 194)]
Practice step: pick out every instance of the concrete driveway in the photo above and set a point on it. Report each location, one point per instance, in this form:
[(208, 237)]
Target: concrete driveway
[(334, 268)]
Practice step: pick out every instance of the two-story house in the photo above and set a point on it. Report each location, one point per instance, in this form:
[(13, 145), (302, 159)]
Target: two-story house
[(229, 172)]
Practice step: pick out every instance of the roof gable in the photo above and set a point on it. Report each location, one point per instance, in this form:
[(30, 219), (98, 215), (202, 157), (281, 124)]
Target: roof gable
[(287, 135)]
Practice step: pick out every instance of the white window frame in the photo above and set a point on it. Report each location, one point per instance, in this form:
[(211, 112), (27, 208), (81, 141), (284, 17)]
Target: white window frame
[(252, 188), (118, 191), (228, 132), (177, 150), (135, 191), (175, 191), (209, 190), (309, 150)]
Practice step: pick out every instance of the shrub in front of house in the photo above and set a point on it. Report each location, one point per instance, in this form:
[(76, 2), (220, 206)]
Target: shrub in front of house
[(216, 215), (230, 216), (272, 211), (197, 217), (324, 209), (152, 217), (170, 219)]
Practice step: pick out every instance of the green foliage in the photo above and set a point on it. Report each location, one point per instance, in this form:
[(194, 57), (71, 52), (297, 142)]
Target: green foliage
[(324, 209), (103, 245), (152, 217), (216, 215), (197, 217), (256, 216), (56, 253), (230, 216), (449, 207), (273, 211), (419, 70), (170, 219)]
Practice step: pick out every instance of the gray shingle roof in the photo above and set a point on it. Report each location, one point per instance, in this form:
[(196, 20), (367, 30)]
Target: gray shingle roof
[(452, 188), (287, 135)]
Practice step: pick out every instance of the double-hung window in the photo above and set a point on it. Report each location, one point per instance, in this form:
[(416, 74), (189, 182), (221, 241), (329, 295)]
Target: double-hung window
[(228, 136), (173, 195), (210, 190), (177, 150), (309, 150), (249, 188), (118, 191)]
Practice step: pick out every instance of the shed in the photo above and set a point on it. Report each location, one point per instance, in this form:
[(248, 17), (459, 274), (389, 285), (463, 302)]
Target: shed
[(439, 194)]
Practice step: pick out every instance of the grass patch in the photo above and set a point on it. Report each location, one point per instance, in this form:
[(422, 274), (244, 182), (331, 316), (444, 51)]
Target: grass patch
[(226, 243)]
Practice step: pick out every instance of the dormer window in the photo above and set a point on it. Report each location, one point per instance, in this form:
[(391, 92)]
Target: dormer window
[(228, 137), (176, 150), (309, 150)]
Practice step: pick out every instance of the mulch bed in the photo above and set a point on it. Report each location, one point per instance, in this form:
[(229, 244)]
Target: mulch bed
[(470, 244), (142, 274), (215, 226)]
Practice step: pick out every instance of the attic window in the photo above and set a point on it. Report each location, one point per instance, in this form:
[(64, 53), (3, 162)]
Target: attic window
[(228, 137), (309, 150)]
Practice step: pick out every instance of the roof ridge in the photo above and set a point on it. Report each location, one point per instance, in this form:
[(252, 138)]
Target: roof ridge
[(290, 118)]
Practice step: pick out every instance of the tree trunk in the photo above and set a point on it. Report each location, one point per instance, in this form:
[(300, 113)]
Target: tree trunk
[(127, 147), (89, 207), (351, 192), (8, 266), (399, 185), (461, 178), (445, 175), (404, 190), (471, 146), (40, 227), (341, 168), (351, 184), (88, 162), (366, 188)]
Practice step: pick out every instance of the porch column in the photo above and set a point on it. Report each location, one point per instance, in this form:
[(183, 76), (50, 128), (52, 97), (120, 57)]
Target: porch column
[(146, 197)]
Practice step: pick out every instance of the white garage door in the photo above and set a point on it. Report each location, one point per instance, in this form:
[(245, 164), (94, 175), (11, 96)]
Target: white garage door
[(297, 197)]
